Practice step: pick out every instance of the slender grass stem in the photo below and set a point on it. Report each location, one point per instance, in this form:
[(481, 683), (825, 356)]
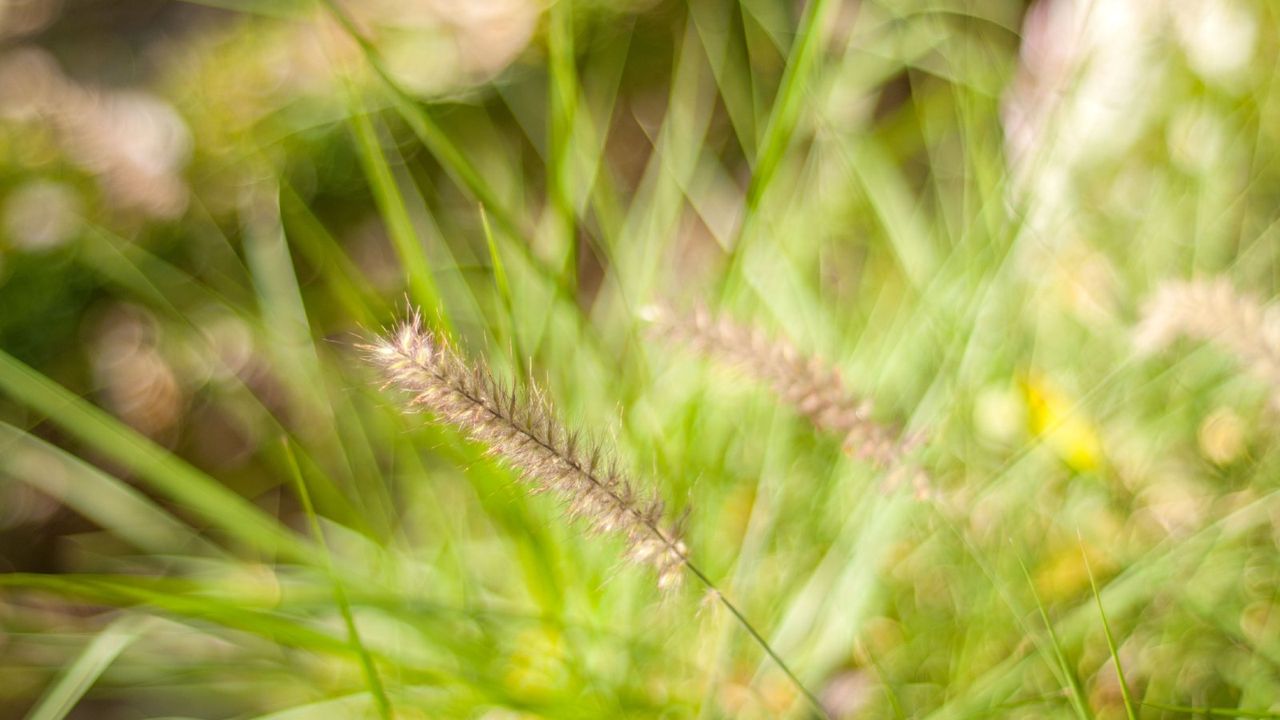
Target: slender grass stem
[(370, 670), (759, 639)]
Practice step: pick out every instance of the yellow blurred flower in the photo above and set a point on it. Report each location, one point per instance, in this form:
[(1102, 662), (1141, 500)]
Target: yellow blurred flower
[(1056, 417)]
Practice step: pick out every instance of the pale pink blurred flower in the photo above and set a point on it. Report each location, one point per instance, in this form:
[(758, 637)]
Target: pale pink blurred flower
[(41, 215), (433, 46), (26, 17), (1087, 73), (30, 84), (136, 382), (133, 142)]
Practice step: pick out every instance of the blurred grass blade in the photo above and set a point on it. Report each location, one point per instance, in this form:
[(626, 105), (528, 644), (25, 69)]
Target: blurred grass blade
[(563, 103), (720, 31), (1066, 673), (1213, 711), (424, 127), (339, 594), (796, 82), (61, 698), (503, 330), (354, 705), (283, 316), (164, 471), (109, 502), (391, 205), (130, 591), (1129, 709), (322, 251)]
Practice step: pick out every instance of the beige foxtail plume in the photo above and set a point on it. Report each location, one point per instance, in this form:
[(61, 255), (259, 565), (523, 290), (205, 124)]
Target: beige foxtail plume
[(520, 429), (815, 389), (1212, 310)]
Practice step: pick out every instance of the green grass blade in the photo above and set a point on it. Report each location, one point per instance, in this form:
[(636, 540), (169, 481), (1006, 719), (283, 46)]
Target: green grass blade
[(1129, 709), (1067, 675), (391, 205), (431, 135), (60, 698), (339, 594), (322, 251), (796, 82), (165, 472), (128, 591), (352, 705), (109, 502), (563, 102)]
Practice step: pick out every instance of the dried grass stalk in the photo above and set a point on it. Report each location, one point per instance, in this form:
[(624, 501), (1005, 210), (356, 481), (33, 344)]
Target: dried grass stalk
[(520, 428), (815, 389), (1212, 310)]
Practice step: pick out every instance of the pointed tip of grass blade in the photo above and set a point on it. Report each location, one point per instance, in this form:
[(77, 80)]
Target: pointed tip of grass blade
[(1078, 702), (1129, 710)]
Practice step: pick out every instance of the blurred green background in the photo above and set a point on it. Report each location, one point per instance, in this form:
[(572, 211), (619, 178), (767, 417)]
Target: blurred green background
[(962, 204)]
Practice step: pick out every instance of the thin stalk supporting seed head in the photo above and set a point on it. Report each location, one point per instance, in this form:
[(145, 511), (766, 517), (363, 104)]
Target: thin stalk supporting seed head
[(519, 427)]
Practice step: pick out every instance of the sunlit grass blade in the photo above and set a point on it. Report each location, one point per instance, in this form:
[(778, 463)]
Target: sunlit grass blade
[(787, 104), (391, 205)]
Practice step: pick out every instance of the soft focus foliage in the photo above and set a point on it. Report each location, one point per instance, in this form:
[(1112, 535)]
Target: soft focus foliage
[(980, 421)]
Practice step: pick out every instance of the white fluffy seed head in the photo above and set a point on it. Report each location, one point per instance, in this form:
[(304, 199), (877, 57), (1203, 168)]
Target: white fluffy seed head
[(519, 427)]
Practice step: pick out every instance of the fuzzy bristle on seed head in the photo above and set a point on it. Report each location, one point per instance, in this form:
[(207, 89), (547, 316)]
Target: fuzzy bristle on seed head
[(519, 427), (816, 390), (1214, 311)]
